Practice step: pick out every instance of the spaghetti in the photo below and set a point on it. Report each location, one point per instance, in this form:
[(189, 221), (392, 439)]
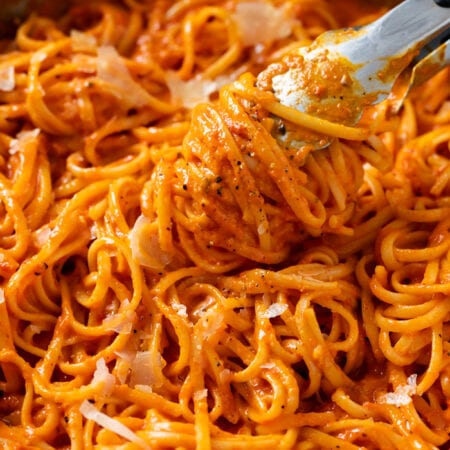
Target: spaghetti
[(173, 277)]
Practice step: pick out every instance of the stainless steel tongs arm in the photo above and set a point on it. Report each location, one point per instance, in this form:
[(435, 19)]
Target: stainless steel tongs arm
[(410, 27), (343, 71), (433, 57)]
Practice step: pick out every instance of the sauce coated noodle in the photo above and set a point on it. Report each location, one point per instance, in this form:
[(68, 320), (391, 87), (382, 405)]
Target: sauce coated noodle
[(172, 277)]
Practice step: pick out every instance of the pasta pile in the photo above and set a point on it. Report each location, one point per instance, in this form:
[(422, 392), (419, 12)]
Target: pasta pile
[(173, 277)]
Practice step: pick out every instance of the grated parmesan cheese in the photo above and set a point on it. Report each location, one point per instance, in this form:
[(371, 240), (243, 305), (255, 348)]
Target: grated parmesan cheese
[(23, 138), (82, 42), (194, 91), (145, 245), (121, 323), (90, 412), (103, 376), (146, 369), (2, 295), (200, 395), (112, 69), (261, 23), (267, 365), (7, 79), (274, 310), (41, 236), (402, 394), (262, 229), (144, 388), (180, 309)]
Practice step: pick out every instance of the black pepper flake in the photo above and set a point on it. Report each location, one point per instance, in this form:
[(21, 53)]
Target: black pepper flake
[(219, 191), (218, 179), (185, 187), (66, 419), (238, 163), (237, 187)]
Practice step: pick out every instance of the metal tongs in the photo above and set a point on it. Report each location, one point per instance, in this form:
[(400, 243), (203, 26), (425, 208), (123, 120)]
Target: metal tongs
[(344, 71)]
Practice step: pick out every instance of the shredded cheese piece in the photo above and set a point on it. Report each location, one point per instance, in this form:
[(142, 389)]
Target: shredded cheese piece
[(112, 69), (145, 246), (196, 90), (103, 376), (261, 23), (274, 310), (90, 412), (83, 42), (7, 79), (402, 394)]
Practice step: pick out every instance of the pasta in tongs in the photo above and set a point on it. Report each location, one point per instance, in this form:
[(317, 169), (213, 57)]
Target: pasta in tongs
[(345, 70)]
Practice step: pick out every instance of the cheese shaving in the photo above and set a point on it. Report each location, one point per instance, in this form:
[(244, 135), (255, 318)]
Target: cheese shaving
[(121, 323), (23, 138), (112, 69), (144, 388), (268, 365), (402, 394), (145, 369), (180, 309), (274, 310), (145, 246), (90, 412), (7, 79), (103, 376), (194, 91), (82, 42), (200, 395), (262, 23), (42, 236)]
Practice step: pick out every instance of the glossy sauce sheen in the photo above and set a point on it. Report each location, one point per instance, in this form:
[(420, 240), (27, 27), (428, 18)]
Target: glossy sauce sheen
[(174, 277)]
